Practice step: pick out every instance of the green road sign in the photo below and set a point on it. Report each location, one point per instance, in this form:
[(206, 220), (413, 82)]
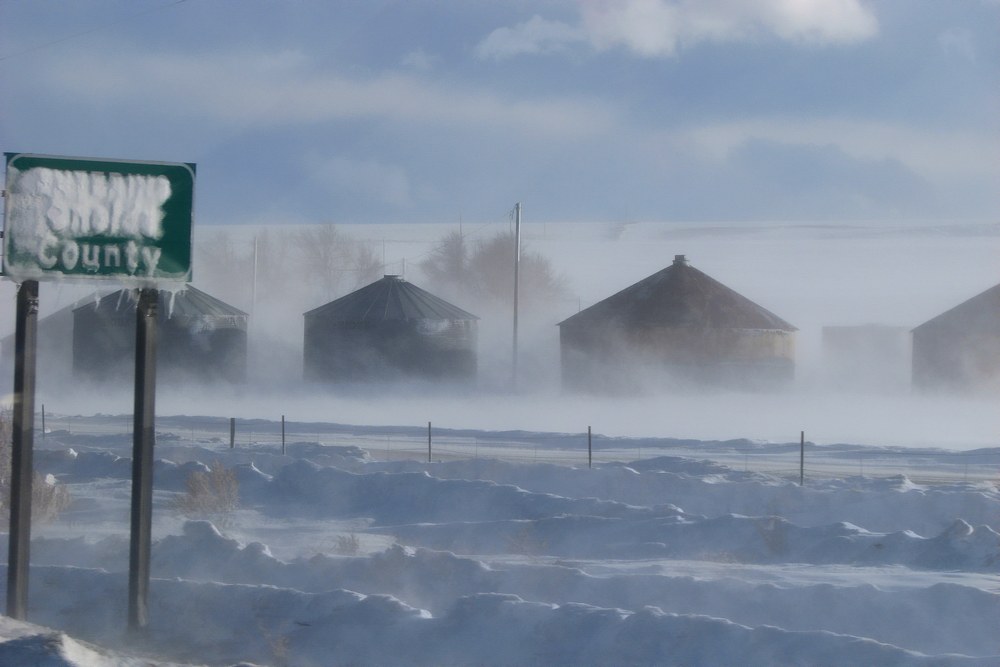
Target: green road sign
[(91, 217)]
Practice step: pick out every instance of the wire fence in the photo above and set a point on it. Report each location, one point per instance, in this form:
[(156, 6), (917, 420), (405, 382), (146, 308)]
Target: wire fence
[(793, 461)]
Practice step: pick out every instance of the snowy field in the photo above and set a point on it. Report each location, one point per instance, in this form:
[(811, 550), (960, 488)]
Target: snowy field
[(689, 541), (352, 549)]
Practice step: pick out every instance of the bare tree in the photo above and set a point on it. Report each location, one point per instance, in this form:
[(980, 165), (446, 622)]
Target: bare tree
[(491, 272), (448, 264), (367, 264), (486, 273), (334, 262), (325, 256), (222, 267), (271, 260)]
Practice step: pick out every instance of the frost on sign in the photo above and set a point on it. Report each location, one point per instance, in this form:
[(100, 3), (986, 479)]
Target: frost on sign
[(84, 217)]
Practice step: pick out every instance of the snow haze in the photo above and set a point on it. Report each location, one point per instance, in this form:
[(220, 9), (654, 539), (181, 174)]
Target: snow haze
[(689, 541), (814, 276)]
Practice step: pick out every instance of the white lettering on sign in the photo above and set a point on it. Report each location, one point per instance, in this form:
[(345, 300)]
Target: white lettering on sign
[(66, 210), (67, 254)]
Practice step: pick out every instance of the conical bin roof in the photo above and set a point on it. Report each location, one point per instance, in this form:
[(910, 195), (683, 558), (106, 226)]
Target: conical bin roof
[(389, 299), (679, 296)]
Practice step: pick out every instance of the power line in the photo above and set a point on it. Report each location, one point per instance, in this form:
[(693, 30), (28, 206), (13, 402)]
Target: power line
[(89, 31)]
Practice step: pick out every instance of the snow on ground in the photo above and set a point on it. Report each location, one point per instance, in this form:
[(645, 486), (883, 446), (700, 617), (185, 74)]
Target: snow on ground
[(344, 552)]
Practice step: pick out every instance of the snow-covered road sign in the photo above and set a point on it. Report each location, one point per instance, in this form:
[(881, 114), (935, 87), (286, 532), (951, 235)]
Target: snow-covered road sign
[(91, 217)]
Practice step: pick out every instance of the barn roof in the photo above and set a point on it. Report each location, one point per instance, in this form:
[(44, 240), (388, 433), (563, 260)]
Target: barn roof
[(189, 303), (679, 296), (980, 313), (389, 299)]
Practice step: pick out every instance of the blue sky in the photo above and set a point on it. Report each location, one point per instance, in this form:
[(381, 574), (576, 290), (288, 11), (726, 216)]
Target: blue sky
[(432, 111)]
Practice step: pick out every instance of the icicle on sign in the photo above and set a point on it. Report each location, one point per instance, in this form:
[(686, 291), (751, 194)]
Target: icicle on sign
[(80, 217)]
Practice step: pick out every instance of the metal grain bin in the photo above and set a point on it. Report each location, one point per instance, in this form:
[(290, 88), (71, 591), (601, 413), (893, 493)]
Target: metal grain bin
[(675, 328), (389, 330), (959, 350), (199, 338)]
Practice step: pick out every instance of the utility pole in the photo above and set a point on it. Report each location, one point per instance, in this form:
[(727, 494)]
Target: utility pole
[(802, 458), (517, 268), (253, 283)]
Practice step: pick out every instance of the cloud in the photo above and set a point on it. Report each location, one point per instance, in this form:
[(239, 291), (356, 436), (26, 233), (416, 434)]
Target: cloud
[(286, 88), (659, 28), (534, 36)]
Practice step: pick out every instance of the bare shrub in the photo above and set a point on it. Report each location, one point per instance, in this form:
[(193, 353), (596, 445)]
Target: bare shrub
[(527, 541), (215, 492), (347, 545), (48, 498)]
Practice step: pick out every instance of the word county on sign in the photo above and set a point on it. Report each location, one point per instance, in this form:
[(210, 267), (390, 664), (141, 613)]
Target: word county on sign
[(82, 217)]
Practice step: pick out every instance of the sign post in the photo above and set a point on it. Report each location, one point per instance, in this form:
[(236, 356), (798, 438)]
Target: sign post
[(92, 218), (142, 459), (23, 423)]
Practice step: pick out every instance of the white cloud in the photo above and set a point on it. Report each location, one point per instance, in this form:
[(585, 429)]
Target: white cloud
[(244, 89), (647, 27), (534, 36), (656, 28)]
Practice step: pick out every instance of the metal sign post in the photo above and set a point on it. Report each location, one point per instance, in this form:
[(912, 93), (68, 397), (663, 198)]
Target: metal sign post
[(23, 423), (142, 459)]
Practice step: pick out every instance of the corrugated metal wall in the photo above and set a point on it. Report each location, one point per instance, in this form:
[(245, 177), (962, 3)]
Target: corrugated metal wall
[(615, 360), (390, 350)]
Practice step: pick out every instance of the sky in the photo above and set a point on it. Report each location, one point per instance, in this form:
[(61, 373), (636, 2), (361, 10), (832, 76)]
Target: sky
[(583, 110)]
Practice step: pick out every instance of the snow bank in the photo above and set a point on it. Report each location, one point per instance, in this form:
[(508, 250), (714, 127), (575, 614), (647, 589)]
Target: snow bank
[(662, 561)]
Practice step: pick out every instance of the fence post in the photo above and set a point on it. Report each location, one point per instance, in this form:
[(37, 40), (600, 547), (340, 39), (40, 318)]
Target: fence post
[(428, 442), (43, 421), (282, 435), (590, 450), (802, 457), (232, 432)]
